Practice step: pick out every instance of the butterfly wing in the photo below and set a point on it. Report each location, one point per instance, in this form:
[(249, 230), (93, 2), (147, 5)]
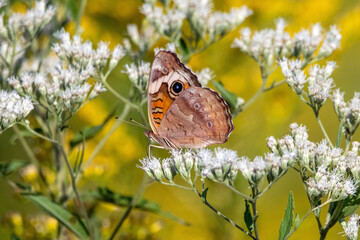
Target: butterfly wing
[(197, 118), (166, 70)]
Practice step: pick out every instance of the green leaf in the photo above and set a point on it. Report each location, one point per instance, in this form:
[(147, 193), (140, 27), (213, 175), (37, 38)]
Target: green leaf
[(106, 195), (248, 218), (230, 98), (183, 47), (11, 167), (350, 204), (297, 221), (287, 221), (73, 6), (13, 236), (60, 213), (204, 195)]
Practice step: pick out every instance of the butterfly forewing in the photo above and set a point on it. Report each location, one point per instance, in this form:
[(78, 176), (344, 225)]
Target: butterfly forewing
[(165, 70)]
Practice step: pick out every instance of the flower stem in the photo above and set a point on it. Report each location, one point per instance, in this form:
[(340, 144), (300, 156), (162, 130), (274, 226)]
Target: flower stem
[(239, 193), (254, 211), (32, 157), (274, 85), (324, 131), (256, 96), (78, 198), (79, 15), (38, 134), (221, 214), (304, 217), (116, 94)]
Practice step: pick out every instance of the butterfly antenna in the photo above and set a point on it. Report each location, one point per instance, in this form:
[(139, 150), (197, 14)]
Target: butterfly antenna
[(133, 122), (138, 124)]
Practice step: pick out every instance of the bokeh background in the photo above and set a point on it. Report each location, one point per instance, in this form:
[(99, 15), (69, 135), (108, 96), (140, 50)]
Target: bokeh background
[(115, 166)]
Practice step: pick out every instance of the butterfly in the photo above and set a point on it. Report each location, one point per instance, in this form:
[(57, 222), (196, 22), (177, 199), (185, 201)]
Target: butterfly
[(182, 113)]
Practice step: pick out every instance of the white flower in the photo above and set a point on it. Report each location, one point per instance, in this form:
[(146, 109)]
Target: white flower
[(205, 76), (13, 108), (351, 228), (152, 167), (331, 42), (118, 53), (253, 171), (138, 74)]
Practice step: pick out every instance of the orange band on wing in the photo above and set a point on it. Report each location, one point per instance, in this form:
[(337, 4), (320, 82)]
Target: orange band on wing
[(160, 103)]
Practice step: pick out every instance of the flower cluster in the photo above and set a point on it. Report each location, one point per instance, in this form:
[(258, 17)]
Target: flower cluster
[(347, 112), (143, 39), (205, 23), (269, 45), (222, 165), (13, 108), (62, 85), (351, 228), (138, 74), (323, 168), (2, 3), (319, 81), (60, 89), (205, 76), (31, 21), (82, 55), (17, 30)]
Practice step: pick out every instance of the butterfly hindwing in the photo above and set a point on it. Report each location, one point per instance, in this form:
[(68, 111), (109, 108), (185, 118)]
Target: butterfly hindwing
[(197, 118)]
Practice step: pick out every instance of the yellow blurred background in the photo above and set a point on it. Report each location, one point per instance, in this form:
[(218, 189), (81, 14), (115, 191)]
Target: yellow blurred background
[(115, 166)]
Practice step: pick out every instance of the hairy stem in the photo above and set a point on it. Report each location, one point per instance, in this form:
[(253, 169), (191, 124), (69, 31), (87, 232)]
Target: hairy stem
[(221, 214), (78, 198), (116, 94), (79, 15), (324, 131), (254, 211), (32, 157), (255, 96)]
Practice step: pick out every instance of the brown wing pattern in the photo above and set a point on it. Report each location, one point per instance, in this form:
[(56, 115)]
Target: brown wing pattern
[(197, 118), (166, 68)]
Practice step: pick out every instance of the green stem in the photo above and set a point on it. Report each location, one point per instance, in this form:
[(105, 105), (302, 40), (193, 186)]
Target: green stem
[(32, 157), (177, 185), (254, 211), (78, 198), (347, 145), (133, 202), (239, 193), (222, 215), (339, 134), (323, 130), (116, 94), (304, 217), (269, 186), (274, 85), (38, 134), (80, 13), (256, 96), (26, 146)]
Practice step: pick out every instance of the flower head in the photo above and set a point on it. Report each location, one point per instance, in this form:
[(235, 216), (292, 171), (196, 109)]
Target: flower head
[(13, 108)]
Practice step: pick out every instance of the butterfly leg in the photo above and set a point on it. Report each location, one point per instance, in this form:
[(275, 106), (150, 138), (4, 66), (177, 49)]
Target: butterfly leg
[(149, 149)]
